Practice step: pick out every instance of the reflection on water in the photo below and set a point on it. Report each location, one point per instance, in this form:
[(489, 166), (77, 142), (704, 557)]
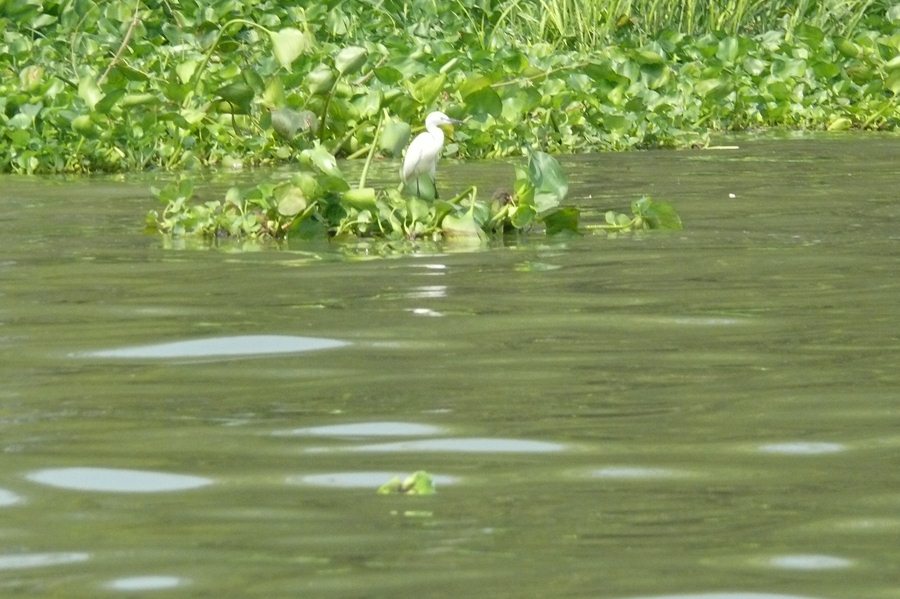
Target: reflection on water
[(11, 561), (116, 481), (8, 498), (243, 345), (636, 473), (451, 445), (725, 596), (710, 412), (361, 480), (146, 583), (809, 562), (368, 429), (802, 448)]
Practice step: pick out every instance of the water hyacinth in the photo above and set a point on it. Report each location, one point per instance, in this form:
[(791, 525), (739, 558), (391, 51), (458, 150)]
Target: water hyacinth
[(253, 84)]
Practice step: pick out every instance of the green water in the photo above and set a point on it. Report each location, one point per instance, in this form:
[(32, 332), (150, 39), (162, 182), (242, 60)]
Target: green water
[(711, 413)]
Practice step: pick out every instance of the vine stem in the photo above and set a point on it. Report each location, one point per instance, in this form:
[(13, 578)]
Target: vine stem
[(202, 66), (365, 170), (135, 19), (470, 191), (571, 67)]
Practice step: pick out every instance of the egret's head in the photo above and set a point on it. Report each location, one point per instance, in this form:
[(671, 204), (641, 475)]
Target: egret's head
[(439, 119)]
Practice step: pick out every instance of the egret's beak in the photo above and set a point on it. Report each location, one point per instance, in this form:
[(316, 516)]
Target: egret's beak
[(449, 127)]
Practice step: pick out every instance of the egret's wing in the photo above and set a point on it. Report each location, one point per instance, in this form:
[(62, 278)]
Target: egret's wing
[(421, 156), (412, 157)]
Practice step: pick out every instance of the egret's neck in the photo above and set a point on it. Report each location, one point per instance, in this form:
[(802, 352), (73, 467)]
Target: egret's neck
[(436, 132)]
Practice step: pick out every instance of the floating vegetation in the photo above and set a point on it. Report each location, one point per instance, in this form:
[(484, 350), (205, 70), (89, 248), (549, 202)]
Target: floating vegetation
[(318, 202), (417, 483)]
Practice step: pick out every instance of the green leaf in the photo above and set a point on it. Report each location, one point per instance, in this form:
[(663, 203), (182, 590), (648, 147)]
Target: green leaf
[(131, 100), (649, 56), (238, 93), (727, 51), (422, 187), (463, 226), (350, 59), (291, 200), (31, 77), (483, 102), (322, 159), (426, 90), (418, 483), (320, 80), (788, 68), (893, 82), (550, 183), (288, 44), (308, 183), (109, 101), (83, 125), (656, 215), (362, 198), (388, 75), (522, 216), (286, 122), (418, 209), (561, 220), (185, 70), (840, 124), (473, 84), (524, 187), (394, 137), (89, 91)]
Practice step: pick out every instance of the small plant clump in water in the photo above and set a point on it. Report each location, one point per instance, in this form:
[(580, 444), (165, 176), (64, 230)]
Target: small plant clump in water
[(417, 483)]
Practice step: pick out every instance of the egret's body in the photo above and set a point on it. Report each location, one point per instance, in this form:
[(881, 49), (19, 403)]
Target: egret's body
[(425, 150)]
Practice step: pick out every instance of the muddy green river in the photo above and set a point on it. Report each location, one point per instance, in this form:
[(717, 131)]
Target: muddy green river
[(705, 414)]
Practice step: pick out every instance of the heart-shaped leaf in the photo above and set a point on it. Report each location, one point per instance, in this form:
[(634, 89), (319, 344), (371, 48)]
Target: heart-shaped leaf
[(350, 59), (394, 137), (288, 44), (291, 200)]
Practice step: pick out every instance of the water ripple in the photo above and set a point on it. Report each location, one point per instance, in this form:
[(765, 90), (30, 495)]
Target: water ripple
[(116, 480), (367, 429), (453, 445), (18, 561)]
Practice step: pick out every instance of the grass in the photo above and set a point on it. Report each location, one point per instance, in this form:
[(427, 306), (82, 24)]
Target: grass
[(588, 24)]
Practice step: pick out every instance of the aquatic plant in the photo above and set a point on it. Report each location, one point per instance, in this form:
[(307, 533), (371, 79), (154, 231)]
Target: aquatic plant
[(417, 483), (136, 84), (317, 201)]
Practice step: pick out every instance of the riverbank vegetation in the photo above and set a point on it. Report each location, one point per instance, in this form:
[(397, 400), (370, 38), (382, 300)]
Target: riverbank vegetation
[(135, 84)]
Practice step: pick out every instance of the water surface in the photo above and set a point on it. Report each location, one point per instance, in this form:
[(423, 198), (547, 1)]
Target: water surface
[(704, 414)]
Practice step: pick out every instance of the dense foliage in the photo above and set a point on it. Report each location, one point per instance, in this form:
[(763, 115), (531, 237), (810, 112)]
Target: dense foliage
[(134, 84)]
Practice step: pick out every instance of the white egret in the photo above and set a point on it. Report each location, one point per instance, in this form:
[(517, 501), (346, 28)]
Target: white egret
[(423, 153)]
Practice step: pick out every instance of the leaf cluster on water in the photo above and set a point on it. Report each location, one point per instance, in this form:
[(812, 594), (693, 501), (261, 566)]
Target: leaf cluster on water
[(417, 483), (134, 84), (317, 201)]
